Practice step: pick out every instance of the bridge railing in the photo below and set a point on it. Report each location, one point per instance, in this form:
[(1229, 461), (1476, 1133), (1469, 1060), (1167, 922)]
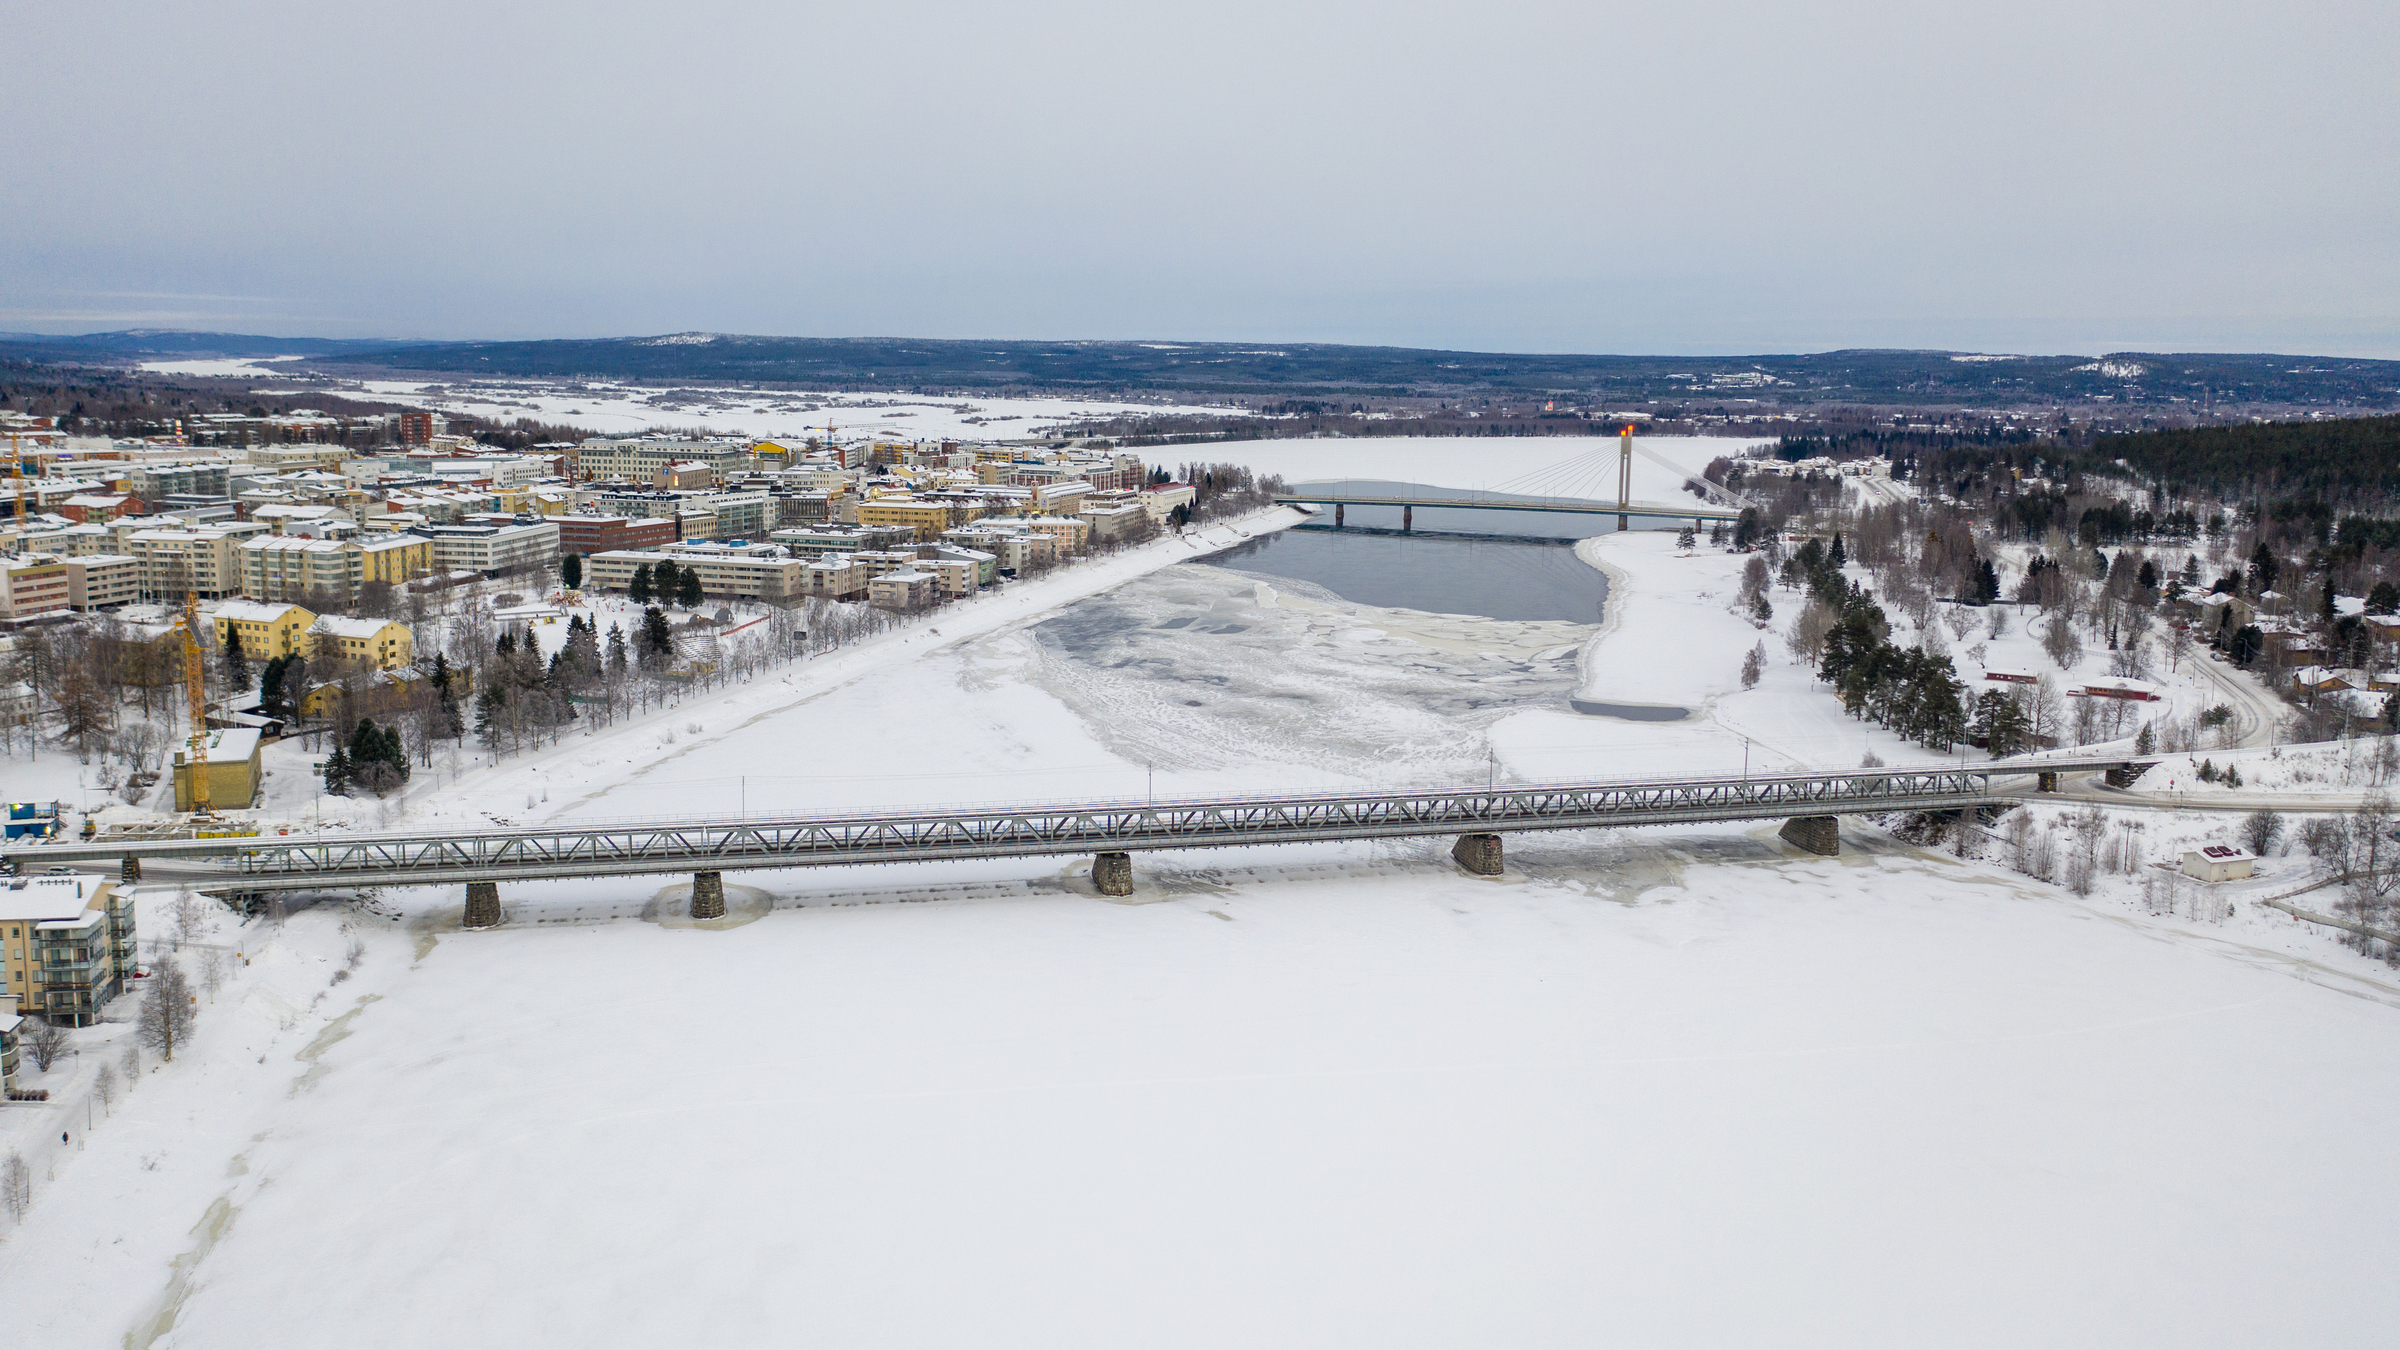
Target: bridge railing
[(1027, 831), (591, 846)]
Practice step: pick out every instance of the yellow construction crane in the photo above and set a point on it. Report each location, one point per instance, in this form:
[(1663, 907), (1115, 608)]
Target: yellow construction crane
[(195, 672)]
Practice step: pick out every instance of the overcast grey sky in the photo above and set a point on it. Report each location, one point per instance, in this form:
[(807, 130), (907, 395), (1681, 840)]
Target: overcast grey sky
[(1732, 176)]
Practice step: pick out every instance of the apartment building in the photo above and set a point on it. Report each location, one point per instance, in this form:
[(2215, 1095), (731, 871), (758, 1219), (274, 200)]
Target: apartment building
[(1112, 523), (959, 571), (382, 643), (746, 571), (640, 458), (1071, 532), (835, 578), (103, 581), (156, 482), (826, 540), (266, 630), (67, 943), (392, 558), (206, 561), (31, 584), (924, 520), (905, 588), (1014, 546), (492, 548), (291, 566)]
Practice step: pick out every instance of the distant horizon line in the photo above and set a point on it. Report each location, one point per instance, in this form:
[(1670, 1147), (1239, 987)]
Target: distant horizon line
[(701, 337)]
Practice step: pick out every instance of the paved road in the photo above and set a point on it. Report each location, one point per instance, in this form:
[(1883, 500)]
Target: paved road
[(2256, 711), (2207, 799)]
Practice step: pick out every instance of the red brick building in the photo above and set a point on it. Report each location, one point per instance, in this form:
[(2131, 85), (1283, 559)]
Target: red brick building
[(604, 534)]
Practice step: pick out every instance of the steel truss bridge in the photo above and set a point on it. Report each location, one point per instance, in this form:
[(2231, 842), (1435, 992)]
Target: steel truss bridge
[(256, 864)]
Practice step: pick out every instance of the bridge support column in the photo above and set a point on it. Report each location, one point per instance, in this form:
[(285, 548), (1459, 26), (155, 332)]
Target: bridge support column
[(2045, 782), (129, 871), (1112, 873), (483, 904), (1408, 519), (1478, 853), (1337, 515), (2121, 776), (708, 895), (1820, 835)]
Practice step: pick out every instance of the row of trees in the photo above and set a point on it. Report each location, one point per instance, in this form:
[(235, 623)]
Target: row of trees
[(667, 584), (1913, 691)]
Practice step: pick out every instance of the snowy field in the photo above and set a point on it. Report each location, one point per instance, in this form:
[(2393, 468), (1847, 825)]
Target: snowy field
[(611, 408), (1665, 1089)]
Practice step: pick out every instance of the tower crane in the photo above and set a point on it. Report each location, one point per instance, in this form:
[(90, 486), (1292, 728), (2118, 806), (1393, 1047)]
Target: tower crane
[(195, 672)]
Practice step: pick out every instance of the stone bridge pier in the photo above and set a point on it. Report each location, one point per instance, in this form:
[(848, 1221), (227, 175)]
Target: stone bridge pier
[(1820, 835), (708, 895), (483, 904), (1112, 873), (130, 870), (1478, 853)]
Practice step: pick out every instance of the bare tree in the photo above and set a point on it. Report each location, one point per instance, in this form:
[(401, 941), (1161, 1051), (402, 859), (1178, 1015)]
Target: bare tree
[(45, 1040), (104, 1087), (1754, 661), (1810, 631), (132, 1060), (167, 1014), (187, 917), (2059, 640), (212, 972), (2261, 830), (16, 1186)]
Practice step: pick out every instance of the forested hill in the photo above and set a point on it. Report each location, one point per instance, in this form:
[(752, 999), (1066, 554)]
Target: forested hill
[(2177, 385), (2347, 460), (135, 344), (1306, 369)]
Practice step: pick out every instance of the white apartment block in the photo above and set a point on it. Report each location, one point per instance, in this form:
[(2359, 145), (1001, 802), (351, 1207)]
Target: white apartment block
[(492, 548), (640, 459), (103, 580), (748, 571), (293, 567), (206, 561)]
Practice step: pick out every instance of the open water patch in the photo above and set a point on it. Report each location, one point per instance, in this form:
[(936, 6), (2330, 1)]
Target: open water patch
[(1631, 712), (1520, 580)]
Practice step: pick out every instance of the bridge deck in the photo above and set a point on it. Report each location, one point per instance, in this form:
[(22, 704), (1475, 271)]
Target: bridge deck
[(632, 848), (1646, 510)]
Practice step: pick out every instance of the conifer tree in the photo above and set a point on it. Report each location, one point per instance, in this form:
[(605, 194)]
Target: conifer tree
[(337, 772), (658, 639)]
